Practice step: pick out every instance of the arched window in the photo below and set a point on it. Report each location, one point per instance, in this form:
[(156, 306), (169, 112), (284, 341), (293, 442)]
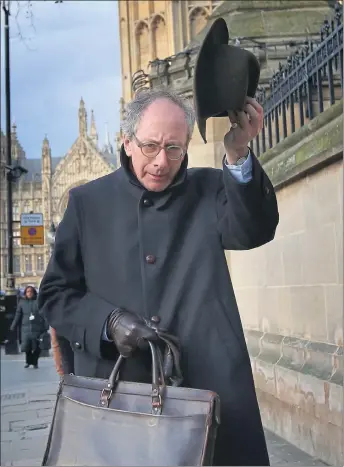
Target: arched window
[(198, 20), (26, 207), (142, 46), (160, 40)]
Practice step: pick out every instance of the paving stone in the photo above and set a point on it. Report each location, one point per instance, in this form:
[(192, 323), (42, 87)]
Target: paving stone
[(42, 398), (5, 451), (5, 425), (12, 436), (48, 412), (33, 424), (283, 453), (24, 449), (31, 462), (44, 389), (27, 406), (13, 398), (20, 457), (37, 444), (19, 416), (36, 433)]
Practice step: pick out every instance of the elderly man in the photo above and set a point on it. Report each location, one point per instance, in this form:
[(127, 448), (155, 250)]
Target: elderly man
[(148, 241)]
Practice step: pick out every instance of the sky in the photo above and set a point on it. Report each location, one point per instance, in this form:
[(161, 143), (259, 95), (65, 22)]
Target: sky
[(60, 53)]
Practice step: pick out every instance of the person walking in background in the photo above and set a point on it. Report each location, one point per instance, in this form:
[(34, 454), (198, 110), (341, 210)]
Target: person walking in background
[(33, 325)]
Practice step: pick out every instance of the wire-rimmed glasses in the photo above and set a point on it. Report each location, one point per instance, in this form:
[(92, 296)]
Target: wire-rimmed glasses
[(151, 150)]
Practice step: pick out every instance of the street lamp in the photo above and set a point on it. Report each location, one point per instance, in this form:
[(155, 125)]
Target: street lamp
[(14, 172), (10, 299)]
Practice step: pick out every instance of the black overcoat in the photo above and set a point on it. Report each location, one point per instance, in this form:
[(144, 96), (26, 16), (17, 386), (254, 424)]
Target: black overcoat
[(31, 330), (163, 254)]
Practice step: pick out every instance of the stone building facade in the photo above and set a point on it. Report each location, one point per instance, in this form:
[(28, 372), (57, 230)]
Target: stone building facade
[(44, 189), (272, 31), (157, 29)]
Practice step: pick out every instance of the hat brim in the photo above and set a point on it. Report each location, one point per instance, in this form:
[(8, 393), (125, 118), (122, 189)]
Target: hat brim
[(217, 34)]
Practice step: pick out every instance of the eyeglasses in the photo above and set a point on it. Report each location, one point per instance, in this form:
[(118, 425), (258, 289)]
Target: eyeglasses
[(151, 150)]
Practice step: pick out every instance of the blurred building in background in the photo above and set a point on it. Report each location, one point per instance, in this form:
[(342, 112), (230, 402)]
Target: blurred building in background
[(44, 189)]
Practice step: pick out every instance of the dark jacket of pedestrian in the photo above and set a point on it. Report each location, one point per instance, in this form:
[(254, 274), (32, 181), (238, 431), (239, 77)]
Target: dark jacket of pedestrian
[(32, 324), (161, 253)]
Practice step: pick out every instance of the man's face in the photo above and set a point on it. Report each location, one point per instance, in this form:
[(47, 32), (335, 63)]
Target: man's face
[(162, 123)]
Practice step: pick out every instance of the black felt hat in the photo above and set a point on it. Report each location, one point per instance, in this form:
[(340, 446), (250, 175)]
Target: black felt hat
[(224, 75)]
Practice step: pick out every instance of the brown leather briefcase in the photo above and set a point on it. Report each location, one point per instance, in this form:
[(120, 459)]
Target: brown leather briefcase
[(100, 422)]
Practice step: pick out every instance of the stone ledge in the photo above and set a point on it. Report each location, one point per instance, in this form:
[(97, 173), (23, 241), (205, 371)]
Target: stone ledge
[(321, 360), (314, 435), (314, 145)]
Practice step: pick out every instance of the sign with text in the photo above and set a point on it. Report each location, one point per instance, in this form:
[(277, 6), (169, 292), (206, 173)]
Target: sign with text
[(32, 229)]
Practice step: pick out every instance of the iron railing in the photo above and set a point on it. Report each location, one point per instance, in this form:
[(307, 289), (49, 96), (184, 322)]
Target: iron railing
[(310, 81), (139, 81)]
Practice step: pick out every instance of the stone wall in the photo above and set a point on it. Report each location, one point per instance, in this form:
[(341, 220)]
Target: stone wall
[(290, 292)]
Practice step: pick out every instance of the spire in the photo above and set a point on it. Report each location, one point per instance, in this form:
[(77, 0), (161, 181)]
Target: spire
[(46, 155), (14, 127), (82, 119), (93, 130), (14, 141), (107, 137), (46, 142), (107, 145)]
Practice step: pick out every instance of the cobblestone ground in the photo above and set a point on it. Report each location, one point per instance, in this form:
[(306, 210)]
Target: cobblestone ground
[(27, 399)]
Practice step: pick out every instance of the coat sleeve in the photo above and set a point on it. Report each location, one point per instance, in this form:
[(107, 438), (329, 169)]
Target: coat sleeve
[(247, 213), (69, 307), (17, 317)]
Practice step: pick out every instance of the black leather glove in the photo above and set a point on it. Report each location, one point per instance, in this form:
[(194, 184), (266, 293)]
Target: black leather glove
[(129, 331)]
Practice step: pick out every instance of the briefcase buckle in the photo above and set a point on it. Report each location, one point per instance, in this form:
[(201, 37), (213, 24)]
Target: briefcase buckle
[(105, 396), (156, 402)]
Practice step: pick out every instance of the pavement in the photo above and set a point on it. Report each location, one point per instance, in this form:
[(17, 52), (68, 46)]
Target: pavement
[(27, 401)]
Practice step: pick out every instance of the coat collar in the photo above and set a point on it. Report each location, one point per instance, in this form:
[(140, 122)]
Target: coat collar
[(138, 190)]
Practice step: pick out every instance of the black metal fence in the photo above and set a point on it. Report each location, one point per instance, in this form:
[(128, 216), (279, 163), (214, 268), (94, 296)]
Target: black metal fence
[(139, 81), (310, 81)]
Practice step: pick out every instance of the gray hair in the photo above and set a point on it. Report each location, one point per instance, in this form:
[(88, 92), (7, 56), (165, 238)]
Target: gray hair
[(135, 109)]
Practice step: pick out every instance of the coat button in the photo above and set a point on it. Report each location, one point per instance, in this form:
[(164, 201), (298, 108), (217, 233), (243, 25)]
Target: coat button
[(147, 202), (155, 319), (267, 190), (77, 345), (150, 259)]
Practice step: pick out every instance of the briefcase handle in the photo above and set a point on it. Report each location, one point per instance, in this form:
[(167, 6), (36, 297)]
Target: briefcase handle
[(158, 381), (171, 360)]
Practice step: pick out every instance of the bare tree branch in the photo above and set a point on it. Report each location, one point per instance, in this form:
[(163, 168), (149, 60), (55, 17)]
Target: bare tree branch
[(20, 8)]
